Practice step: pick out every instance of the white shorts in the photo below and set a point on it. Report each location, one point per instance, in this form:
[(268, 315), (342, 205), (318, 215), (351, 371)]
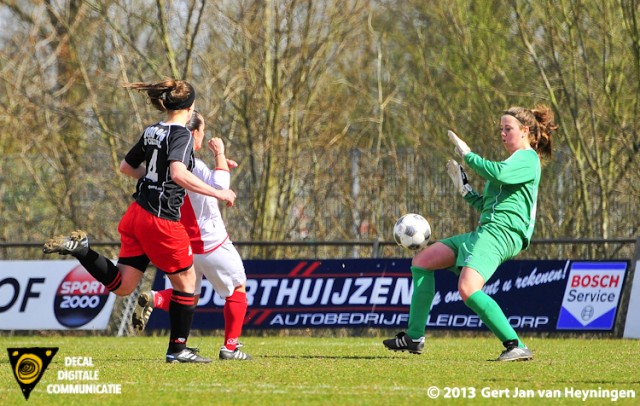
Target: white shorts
[(222, 267)]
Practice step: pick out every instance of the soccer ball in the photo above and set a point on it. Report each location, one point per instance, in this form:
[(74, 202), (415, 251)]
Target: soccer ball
[(412, 231)]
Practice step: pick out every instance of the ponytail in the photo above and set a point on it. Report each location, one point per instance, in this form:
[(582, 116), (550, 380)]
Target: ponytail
[(167, 95), (542, 141)]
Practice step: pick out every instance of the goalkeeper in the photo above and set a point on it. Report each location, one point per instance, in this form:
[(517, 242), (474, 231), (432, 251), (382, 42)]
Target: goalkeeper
[(508, 209)]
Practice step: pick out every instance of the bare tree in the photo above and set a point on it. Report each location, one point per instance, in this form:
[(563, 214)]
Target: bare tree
[(275, 103), (63, 76), (336, 110), (585, 67)]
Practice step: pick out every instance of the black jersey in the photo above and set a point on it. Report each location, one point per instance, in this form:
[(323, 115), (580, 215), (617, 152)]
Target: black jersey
[(160, 144)]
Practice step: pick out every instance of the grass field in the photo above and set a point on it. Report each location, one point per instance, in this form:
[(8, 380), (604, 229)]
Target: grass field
[(350, 371)]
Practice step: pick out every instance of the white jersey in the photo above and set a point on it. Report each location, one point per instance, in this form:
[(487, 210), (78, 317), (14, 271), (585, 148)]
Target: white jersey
[(201, 214)]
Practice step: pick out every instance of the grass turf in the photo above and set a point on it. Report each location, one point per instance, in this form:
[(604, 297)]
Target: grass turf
[(350, 371)]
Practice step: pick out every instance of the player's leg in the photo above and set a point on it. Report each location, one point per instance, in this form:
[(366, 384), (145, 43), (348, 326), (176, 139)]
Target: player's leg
[(181, 311), (147, 302), (168, 247), (434, 257), (235, 310), (150, 300), (470, 287), (485, 255), (224, 269), (121, 279)]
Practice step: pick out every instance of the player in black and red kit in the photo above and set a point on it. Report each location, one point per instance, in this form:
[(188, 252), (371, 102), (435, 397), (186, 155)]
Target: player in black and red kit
[(150, 230), (215, 256)]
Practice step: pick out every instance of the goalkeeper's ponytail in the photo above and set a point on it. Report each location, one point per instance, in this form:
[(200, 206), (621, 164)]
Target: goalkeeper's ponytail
[(541, 139)]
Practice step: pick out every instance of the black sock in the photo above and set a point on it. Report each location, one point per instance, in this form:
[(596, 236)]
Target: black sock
[(181, 310), (102, 269)]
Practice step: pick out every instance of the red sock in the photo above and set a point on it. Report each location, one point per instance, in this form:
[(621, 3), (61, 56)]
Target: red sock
[(235, 308), (161, 299)]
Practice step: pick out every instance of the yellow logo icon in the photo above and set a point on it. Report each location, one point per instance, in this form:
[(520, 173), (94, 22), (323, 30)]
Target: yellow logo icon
[(29, 364)]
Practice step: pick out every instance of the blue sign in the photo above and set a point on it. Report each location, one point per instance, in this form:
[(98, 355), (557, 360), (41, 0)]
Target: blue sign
[(535, 295), (528, 291), (592, 296)]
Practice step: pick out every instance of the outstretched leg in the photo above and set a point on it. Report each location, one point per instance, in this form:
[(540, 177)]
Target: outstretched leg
[(101, 268)]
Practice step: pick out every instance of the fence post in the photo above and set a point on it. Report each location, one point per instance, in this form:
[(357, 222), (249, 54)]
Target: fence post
[(376, 249)]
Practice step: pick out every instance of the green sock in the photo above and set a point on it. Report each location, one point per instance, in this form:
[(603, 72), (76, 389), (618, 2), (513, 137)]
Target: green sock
[(492, 316), (424, 289)]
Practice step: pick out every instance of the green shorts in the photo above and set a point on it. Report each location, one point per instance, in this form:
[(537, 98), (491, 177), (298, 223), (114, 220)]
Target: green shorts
[(483, 249)]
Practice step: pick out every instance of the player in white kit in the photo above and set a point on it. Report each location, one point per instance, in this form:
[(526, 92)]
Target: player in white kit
[(215, 256)]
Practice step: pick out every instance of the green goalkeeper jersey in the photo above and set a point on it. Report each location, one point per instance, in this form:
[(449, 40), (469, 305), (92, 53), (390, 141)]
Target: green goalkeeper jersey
[(510, 193)]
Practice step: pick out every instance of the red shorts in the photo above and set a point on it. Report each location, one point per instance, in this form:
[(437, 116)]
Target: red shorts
[(164, 242)]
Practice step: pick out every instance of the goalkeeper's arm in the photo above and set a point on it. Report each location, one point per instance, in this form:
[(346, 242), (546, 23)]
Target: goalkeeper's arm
[(459, 177), (461, 184)]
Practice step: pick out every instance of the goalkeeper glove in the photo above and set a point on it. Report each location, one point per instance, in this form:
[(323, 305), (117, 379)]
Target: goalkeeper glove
[(459, 177), (462, 148)]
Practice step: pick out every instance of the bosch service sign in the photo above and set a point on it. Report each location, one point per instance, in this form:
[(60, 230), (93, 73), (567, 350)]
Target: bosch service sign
[(591, 296), (51, 295)]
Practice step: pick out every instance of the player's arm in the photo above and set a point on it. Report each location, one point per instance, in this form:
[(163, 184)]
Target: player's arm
[(134, 172), (183, 177), (132, 164), (474, 199), (220, 177), (216, 178), (461, 184), (520, 167), (216, 146)]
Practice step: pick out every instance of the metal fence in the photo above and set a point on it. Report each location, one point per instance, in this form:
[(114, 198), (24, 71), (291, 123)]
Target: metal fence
[(575, 249), (348, 211)]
